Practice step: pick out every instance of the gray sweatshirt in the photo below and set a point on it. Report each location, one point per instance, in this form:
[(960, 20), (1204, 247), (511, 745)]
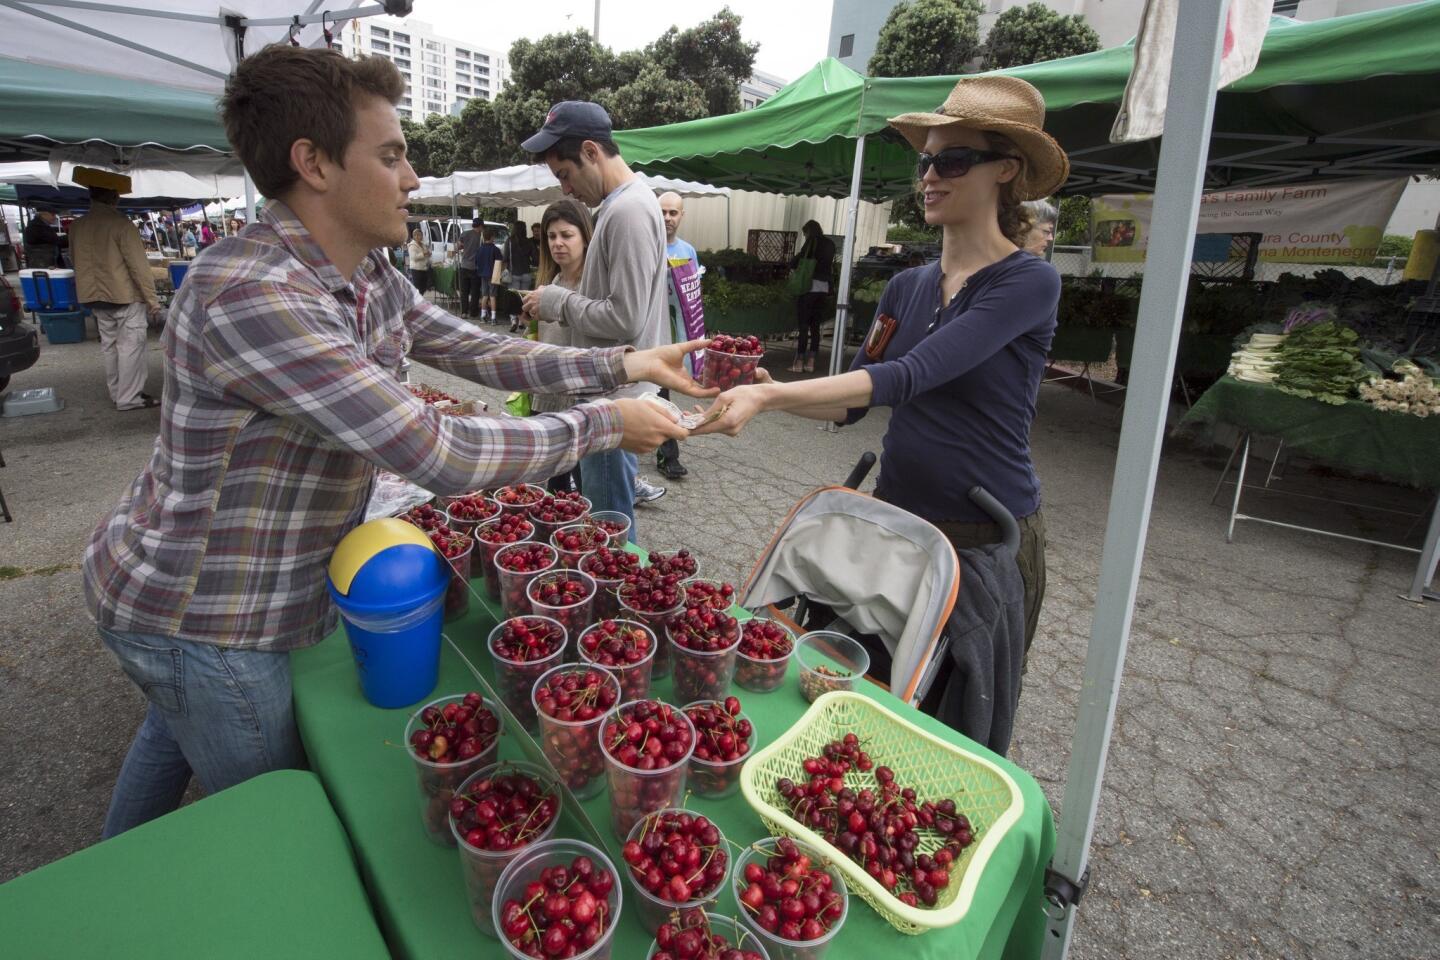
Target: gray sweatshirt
[(623, 298)]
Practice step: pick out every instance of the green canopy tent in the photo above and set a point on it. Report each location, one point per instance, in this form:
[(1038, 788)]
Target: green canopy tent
[(108, 120), (1350, 96)]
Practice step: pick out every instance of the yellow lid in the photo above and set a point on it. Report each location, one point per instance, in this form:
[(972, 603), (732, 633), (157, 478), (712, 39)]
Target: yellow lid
[(365, 541)]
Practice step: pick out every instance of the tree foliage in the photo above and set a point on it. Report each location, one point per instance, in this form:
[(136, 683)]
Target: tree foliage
[(683, 75), (1033, 34), (927, 38)]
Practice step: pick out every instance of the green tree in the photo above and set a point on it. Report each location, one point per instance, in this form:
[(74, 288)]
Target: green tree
[(653, 98), (441, 142), (417, 146), (1033, 34), (478, 142), (1073, 229), (927, 38), (713, 55)]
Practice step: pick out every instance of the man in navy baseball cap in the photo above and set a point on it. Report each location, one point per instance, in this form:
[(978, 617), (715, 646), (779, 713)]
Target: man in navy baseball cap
[(623, 297)]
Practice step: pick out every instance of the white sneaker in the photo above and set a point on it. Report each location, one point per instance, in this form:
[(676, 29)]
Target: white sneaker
[(646, 492)]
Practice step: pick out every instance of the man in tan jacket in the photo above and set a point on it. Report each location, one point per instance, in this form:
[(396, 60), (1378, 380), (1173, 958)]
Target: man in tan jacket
[(113, 279)]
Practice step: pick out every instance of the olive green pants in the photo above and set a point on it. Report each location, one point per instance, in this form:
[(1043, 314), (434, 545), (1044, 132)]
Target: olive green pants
[(1030, 558)]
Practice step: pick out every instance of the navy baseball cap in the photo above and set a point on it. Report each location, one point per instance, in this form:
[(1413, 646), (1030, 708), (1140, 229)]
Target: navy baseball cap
[(570, 118)]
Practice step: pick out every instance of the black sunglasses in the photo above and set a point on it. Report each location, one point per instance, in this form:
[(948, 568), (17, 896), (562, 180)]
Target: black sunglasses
[(955, 162)]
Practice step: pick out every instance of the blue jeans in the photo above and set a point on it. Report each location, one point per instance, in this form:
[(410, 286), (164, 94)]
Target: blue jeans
[(224, 715), (608, 481)]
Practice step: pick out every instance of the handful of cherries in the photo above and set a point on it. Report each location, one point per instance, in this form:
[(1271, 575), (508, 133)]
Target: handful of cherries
[(676, 857), (431, 394), (518, 497), (577, 541), (648, 743), (506, 529), (625, 648), (764, 655), (455, 732), (474, 508), (527, 639), (516, 565), (704, 656), (558, 509), (609, 566), (690, 935), (787, 894), (504, 811), (425, 516), (562, 914), (711, 594), (723, 738), (680, 562)]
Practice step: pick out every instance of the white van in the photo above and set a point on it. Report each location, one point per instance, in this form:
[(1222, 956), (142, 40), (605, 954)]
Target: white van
[(444, 235)]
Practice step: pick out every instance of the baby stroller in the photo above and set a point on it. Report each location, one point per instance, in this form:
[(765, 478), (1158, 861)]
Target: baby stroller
[(889, 578)]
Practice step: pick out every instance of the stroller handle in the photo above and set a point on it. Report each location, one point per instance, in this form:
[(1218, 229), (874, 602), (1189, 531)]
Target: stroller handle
[(1008, 527), (861, 471)]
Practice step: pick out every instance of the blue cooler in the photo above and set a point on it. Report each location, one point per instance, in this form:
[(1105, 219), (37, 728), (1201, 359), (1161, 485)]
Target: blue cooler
[(178, 269), (51, 290)]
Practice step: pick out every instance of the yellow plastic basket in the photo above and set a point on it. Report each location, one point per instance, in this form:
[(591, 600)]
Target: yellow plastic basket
[(936, 769)]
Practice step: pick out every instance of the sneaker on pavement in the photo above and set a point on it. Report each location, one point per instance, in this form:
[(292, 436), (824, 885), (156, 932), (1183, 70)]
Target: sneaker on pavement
[(671, 469), (647, 492)]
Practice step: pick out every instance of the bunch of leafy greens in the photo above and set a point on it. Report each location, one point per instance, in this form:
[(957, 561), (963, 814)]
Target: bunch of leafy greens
[(1321, 361)]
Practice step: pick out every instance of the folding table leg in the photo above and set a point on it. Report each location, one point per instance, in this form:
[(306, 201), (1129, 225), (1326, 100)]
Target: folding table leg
[(1226, 470), (4, 507), (1429, 555), (1239, 487)]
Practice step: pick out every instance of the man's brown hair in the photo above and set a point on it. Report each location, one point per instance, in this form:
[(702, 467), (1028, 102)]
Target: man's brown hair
[(284, 93)]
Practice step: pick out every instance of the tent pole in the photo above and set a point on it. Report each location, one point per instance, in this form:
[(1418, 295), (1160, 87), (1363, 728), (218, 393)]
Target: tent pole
[(842, 301), (1189, 111)]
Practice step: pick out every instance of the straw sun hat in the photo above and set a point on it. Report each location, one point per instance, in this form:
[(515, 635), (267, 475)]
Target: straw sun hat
[(1005, 105)]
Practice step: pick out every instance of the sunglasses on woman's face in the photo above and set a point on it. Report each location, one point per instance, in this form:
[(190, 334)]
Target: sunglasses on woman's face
[(955, 162)]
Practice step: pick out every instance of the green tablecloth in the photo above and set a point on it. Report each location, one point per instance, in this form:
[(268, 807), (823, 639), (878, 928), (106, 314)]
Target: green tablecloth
[(1354, 436), (416, 886), (260, 870)]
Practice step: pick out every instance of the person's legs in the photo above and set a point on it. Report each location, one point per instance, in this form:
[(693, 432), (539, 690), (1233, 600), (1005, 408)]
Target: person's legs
[(1031, 559), (609, 482), (520, 283), (486, 301), (130, 357), (801, 332), (227, 711), (108, 321), (667, 458)]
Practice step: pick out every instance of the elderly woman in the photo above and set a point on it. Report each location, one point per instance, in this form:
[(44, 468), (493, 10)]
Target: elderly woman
[(417, 259), (958, 346), (1041, 217)]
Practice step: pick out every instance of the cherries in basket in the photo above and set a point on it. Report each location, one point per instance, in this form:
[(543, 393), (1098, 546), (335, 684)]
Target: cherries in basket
[(879, 827)]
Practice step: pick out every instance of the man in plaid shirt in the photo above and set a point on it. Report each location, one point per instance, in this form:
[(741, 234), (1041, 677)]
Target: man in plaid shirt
[(281, 401)]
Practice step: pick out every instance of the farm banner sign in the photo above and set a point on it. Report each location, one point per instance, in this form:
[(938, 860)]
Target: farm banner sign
[(1332, 222)]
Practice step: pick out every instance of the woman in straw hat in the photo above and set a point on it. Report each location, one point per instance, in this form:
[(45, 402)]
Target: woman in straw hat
[(958, 346)]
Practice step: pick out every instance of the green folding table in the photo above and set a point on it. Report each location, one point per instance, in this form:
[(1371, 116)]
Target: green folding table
[(416, 885), (260, 870)]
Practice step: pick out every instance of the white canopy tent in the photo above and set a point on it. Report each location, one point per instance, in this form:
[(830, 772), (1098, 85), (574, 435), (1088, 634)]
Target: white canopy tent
[(526, 185)]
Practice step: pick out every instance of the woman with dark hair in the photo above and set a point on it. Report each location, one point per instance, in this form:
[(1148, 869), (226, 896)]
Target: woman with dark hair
[(565, 230), (810, 305), (958, 347)]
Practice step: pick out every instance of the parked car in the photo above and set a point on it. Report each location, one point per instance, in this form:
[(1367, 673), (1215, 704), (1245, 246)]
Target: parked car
[(19, 343), (444, 233)]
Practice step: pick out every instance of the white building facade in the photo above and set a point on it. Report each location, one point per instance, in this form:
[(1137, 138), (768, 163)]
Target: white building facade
[(441, 73)]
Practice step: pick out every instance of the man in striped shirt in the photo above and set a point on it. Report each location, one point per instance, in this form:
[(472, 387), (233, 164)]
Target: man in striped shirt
[(280, 403)]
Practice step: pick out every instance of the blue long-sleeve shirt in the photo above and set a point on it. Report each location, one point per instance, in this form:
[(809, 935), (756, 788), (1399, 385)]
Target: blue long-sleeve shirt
[(962, 379)]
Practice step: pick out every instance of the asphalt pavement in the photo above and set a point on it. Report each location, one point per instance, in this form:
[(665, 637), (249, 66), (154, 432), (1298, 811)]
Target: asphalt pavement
[(1271, 783)]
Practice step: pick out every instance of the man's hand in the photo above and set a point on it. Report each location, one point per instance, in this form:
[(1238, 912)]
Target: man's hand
[(733, 409), (155, 313), (530, 303), (665, 367), (646, 425)]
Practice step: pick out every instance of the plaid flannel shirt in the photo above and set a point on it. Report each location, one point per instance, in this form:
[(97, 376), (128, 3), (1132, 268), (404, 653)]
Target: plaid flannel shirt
[(281, 401)]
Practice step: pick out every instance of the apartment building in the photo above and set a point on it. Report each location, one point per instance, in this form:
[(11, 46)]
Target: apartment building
[(441, 72)]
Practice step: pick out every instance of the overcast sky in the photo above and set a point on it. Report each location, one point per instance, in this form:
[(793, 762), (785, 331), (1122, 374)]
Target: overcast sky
[(792, 33)]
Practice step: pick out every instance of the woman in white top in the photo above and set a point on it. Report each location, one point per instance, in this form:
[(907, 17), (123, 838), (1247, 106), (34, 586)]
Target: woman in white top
[(565, 230), (417, 256)]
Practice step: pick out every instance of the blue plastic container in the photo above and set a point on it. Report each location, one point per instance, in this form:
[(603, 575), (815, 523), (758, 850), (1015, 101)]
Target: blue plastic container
[(178, 269), (68, 327), (51, 289), (389, 584)]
